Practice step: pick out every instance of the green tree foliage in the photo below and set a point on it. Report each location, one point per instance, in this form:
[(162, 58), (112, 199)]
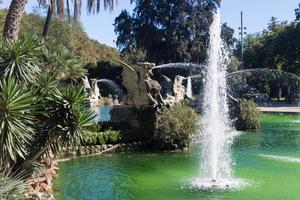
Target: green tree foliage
[(275, 48), (72, 36), (227, 35), (167, 31), (106, 70)]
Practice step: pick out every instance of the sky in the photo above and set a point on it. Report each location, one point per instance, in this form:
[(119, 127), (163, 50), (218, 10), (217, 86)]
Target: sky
[(257, 14)]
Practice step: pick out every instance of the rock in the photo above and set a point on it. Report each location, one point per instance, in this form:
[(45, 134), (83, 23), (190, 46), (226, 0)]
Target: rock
[(110, 145), (39, 195), (45, 187), (91, 149), (81, 151), (123, 145), (98, 147), (73, 152), (104, 146), (86, 150), (51, 197)]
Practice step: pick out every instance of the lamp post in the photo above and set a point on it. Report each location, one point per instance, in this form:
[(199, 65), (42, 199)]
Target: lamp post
[(242, 33), (297, 11)]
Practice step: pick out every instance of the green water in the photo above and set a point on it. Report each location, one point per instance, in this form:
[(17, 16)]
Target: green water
[(270, 161)]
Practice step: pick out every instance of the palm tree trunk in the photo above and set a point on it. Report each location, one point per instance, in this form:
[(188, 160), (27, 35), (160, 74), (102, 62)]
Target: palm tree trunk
[(48, 19), (13, 19), (68, 10)]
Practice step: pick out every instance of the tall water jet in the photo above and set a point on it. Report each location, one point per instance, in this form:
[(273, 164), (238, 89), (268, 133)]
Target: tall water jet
[(217, 134), (216, 159), (189, 92)]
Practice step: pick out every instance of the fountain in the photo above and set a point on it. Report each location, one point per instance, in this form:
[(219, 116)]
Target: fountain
[(216, 162), (189, 92), (113, 86)]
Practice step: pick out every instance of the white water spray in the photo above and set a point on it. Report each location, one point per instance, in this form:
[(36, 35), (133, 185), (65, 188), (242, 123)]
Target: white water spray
[(189, 92), (216, 170), (216, 160)]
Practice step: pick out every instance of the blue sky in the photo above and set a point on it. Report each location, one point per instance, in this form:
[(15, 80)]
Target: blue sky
[(257, 14)]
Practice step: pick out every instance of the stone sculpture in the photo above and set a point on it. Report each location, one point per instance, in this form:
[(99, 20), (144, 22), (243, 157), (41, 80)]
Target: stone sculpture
[(94, 91), (141, 89)]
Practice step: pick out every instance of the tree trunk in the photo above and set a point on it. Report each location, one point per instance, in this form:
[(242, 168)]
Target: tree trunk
[(68, 10), (13, 19), (48, 19)]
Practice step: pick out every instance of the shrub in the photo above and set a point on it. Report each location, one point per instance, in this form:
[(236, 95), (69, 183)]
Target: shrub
[(175, 126), (106, 137), (247, 116), (112, 137)]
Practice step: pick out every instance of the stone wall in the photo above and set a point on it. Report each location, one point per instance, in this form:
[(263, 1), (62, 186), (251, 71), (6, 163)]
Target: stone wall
[(73, 152), (136, 123)]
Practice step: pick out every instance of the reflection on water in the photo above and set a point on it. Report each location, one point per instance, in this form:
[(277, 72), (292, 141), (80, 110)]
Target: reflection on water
[(267, 159)]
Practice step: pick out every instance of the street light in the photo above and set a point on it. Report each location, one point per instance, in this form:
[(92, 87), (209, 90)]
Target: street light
[(297, 11), (242, 32)]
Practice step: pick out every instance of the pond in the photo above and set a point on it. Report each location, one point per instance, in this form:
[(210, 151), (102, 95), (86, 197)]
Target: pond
[(103, 113), (270, 161)]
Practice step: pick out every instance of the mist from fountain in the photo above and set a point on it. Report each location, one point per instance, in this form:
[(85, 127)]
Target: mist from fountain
[(217, 134)]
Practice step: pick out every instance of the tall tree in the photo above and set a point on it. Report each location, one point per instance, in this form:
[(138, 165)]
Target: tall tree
[(13, 19), (277, 48), (167, 31), (93, 7)]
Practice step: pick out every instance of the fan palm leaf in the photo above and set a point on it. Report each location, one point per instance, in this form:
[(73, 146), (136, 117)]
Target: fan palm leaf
[(65, 63)]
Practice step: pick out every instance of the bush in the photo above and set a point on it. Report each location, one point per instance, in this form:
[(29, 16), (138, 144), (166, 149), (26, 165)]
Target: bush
[(247, 116), (106, 137), (175, 126)]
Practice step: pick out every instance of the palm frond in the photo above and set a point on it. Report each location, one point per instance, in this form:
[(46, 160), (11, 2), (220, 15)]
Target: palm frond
[(66, 65), (16, 120), (20, 59), (12, 187)]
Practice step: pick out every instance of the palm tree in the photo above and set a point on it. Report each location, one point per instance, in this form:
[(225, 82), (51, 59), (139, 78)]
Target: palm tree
[(93, 6), (13, 19), (17, 8)]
